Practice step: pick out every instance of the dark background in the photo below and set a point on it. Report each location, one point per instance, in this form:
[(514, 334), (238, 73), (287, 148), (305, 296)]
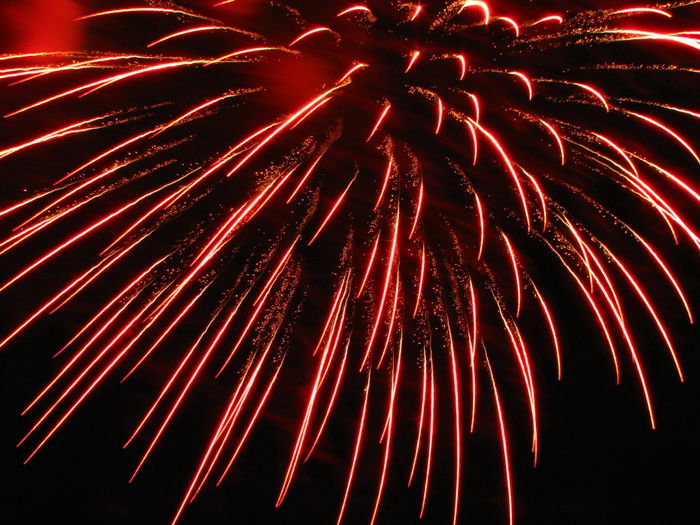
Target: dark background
[(600, 463)]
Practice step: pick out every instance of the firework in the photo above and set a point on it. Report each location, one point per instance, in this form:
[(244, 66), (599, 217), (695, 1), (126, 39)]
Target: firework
[(382, 208)]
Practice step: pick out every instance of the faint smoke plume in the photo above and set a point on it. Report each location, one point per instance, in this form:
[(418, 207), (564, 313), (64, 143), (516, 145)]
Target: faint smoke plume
[(39, 25)]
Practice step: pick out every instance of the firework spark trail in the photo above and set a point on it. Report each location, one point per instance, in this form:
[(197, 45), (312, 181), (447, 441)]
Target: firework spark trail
[(402, 165)]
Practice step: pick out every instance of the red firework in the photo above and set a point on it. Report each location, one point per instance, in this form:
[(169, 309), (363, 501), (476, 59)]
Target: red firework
[(440, 180)]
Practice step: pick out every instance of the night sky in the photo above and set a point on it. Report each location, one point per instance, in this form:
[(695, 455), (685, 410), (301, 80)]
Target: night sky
[(599, 461)]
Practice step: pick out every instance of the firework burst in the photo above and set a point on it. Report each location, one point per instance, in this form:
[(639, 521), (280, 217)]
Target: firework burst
[(384, 207)]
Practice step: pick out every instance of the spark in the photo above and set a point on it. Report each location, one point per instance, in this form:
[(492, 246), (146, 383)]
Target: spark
[(309, 33)]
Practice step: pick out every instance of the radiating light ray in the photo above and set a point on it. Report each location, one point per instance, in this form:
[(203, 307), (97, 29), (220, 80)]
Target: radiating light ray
[(552, 329), (355, 9), (30, 74), (457, 425), (516, 273), (119, 296), (474, 339), (31, 230), (166, 202), (26, 202), (68, 366), (309, 33), (194, 111), (251, 424), (634, 34), (332, 211), (482, 226), (98, 84), (416, 12), (431, 438), (77, 189), (305, 178), (652, 311), (392, 320), (618, 149), (595, 270), (596, 310), (70, 290), (233, 412), (557, 138), (104, 155), (644, 191), (412, 61), (396, 373), (354, 68), (381, 118), (331, 402), (477, 108), (526, 82), (504, 442), (72, 129), (668, 131), (642, 10), (111, 364), (543, 199), (551, 18), (129, 10), (675, 179), (421, 281), (512, 23), (596, 93), (387, 282), (523, 360), (240, 396), (479, 4), (166, 421), (387, 177), (280, 128), (357, 449), (215, 437), (252, 320), (38, 262), (674, 282), (165, 333), (332, 316), (419, 208), (187, 32), (244, 52), (440, 116), (327, 356), (311, 111), (506, 159), (370, 264), (463, 67), (421, 419)]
